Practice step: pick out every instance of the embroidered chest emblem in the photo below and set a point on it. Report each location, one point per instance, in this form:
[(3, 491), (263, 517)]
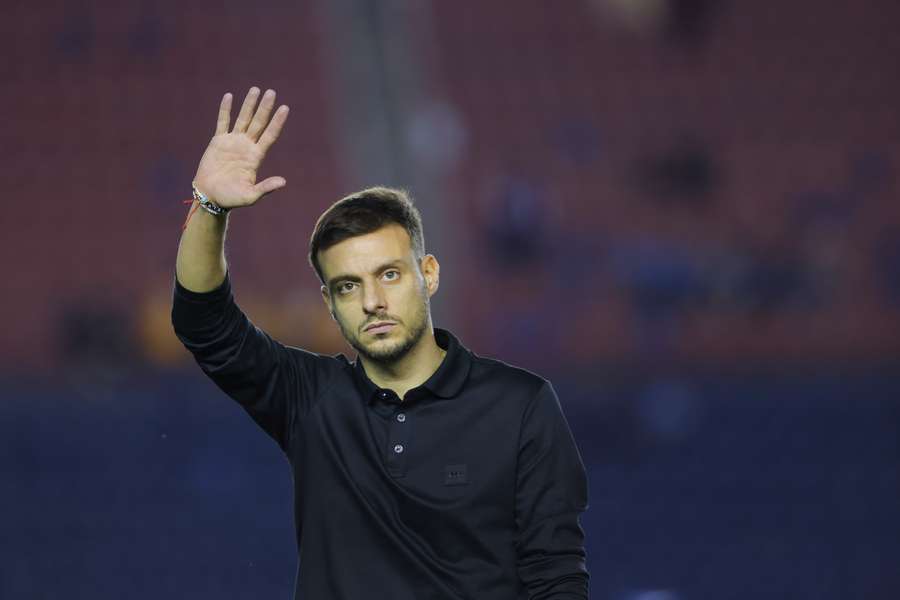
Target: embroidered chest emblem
[(455, 475)]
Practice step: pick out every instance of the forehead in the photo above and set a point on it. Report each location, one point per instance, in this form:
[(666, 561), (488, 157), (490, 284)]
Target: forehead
[(361, 254)]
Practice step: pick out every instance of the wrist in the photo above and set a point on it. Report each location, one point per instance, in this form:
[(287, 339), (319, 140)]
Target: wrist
[(207, 204)]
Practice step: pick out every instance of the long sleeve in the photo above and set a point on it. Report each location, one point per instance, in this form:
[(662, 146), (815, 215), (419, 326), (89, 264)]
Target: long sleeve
[(274, 383), (551, 493)]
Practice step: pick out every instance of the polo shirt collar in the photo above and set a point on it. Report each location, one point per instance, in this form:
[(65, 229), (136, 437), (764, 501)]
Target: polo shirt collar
[(446, 382)]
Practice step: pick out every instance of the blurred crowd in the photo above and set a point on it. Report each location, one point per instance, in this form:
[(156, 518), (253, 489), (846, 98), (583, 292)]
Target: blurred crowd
[(674, 180)]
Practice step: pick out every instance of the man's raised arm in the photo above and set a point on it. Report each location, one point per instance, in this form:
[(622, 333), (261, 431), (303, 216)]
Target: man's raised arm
[(274, 383)]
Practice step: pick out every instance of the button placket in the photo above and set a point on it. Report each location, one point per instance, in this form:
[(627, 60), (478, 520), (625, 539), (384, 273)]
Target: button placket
[(398, 440)]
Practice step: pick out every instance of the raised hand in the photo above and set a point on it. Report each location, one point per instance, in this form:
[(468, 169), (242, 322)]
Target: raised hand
[(227, 171)]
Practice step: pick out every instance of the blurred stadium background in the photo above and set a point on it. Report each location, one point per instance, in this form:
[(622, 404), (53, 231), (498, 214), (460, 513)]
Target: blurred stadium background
[(683, 212)]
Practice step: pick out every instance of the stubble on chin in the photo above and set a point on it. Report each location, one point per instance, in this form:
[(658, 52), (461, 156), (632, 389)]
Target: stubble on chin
[(392, 352), (388, 353)]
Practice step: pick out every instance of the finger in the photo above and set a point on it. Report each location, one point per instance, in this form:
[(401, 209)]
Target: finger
[(224, 114), (268, 185), (246, 110), (273, 129), (262, 115)]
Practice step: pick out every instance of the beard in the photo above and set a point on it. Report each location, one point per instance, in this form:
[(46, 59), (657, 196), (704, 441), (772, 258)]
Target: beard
[(388, 351)]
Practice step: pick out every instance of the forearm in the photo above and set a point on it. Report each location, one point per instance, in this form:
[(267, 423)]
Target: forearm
[(200, 265)]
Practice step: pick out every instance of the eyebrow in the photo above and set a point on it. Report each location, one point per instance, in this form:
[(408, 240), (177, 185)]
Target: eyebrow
[(347, 277)]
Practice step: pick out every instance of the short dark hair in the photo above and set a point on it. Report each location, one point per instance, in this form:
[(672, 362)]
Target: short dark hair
[(364, 212)]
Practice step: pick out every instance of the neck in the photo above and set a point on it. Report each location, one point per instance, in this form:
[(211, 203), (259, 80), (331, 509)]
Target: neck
[(412, 370)]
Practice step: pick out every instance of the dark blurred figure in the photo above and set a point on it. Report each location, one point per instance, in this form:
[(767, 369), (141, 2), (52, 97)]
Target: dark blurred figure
[(682, 175), (515, 227)]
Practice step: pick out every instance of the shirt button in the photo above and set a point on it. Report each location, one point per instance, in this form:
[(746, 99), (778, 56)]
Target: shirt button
[(398, 448), (401, 417), (383, 394)]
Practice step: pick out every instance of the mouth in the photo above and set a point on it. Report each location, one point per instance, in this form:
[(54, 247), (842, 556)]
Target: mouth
[(381, 327)]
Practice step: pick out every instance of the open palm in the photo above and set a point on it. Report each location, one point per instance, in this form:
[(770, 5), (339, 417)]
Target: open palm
[(228, 168)]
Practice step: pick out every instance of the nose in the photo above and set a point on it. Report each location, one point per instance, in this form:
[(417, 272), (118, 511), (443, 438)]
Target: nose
[(374, 299)]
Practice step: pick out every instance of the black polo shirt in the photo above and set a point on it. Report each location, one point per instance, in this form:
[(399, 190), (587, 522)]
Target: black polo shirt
[(471, 487)]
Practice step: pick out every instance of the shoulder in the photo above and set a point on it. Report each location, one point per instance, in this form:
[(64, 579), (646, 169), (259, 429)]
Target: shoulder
[(511, 379), (325, 366)]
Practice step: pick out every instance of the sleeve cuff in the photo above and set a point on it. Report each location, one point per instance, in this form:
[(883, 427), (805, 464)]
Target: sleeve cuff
[(219, 293)]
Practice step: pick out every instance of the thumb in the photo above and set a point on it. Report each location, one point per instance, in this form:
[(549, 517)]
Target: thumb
[(269, 185)]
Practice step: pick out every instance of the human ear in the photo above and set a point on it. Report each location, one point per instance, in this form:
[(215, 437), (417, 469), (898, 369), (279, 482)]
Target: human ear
[(431, 271), (327, 299)]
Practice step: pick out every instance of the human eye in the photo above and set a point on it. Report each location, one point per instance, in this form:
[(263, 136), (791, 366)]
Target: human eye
[(345, 287), (391, 275)]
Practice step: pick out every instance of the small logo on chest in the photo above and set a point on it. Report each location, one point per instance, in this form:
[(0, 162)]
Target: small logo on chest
[(455, 475)]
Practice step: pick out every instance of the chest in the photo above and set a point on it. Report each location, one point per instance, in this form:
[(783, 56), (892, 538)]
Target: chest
[(448, 455)]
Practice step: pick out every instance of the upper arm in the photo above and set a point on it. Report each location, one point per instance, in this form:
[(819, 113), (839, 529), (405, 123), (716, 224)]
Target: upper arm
[(551, 493), (274, 383)]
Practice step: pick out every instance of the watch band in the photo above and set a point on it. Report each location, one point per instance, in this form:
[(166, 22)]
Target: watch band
[(208, 204)]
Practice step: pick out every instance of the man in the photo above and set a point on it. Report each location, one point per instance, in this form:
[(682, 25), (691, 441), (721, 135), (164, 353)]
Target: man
[(422, 471)]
